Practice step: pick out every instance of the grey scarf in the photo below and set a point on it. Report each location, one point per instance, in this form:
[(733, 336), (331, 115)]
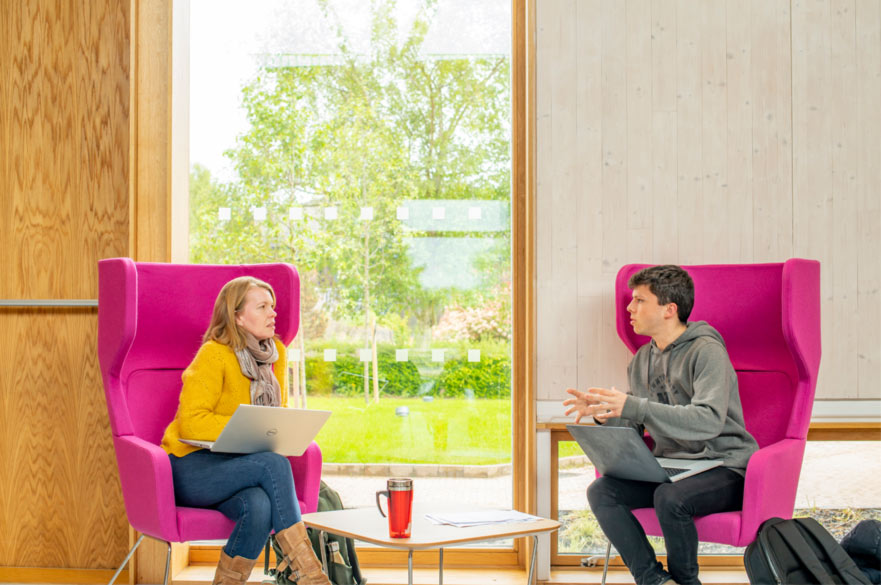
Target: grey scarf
[(256, 360)]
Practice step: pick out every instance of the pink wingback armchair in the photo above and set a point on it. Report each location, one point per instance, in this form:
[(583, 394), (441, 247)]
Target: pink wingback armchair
[(769, 317), (151, 318)]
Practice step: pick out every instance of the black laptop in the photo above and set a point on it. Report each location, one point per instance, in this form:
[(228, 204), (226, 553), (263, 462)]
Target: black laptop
[(621, 452)]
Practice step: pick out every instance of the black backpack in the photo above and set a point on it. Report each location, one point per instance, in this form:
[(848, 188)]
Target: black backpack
[(339, 551), (863, 544), (798, 551)]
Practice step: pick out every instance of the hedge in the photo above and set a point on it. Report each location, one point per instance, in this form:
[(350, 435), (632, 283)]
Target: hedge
[(345, 376), (488, 378)]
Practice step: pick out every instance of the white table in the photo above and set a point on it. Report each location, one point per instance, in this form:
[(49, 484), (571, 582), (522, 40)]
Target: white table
[(368, 525)]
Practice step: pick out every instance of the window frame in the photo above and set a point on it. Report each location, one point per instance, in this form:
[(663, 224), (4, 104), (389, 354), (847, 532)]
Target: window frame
[(161, 150)]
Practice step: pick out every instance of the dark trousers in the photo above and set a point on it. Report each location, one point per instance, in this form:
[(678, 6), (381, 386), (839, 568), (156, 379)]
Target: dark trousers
[(676, 504)]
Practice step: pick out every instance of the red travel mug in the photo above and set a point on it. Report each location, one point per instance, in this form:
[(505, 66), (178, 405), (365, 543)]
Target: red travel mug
[(400, 506)]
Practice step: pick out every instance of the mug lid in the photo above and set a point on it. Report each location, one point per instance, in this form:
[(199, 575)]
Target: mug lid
[(400, 483)]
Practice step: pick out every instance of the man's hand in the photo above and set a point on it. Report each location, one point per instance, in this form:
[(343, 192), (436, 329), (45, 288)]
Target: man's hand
[(600, 403)]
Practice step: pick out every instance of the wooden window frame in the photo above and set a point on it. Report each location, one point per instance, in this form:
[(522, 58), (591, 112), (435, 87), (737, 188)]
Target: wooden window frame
[(154, 98)]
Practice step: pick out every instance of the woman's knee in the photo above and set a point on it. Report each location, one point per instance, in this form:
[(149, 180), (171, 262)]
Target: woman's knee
[(273, 462), (257, 505)]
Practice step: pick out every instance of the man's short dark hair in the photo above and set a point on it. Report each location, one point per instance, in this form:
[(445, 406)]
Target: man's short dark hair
[(671, 284)]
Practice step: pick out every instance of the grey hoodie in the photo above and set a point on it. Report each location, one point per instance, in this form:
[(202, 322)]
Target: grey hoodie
[(686, 397)]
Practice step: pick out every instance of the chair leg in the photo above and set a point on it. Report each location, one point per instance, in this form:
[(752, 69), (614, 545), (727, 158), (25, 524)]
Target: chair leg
[(125, 560), (167, 563), (606, 562), (132, 551)]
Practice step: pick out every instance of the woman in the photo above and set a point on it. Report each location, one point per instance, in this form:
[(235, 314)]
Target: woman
[(240, 362)]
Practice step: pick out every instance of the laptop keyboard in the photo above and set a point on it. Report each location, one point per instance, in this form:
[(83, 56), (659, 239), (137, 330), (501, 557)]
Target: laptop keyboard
[(671, 471)]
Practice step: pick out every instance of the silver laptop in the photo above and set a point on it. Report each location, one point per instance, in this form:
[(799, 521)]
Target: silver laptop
[(620, 452), (287, 431)]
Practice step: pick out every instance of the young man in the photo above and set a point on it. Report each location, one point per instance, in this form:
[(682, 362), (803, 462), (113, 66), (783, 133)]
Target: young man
[(683, 391)]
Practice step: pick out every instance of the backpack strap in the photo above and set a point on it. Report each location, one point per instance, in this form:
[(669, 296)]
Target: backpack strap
[(803, 551), (353, 561), (843, 563)]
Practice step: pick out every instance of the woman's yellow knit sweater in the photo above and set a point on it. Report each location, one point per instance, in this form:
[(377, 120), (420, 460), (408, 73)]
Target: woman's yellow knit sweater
[(214, 386)]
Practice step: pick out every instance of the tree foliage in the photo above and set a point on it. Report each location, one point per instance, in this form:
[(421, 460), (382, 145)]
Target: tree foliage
[(359, 131)]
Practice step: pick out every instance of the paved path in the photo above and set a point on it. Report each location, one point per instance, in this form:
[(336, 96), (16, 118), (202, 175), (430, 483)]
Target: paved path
[(834, 475)]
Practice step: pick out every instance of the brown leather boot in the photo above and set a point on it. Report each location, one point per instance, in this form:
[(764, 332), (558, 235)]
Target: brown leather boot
[(233, 570), (299, 555)]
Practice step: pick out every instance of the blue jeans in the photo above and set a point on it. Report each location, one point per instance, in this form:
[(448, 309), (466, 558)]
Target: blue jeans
[(676, 505), (255, 490)]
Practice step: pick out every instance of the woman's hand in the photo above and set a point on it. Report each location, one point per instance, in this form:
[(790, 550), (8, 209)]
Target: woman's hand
[(600, 403)]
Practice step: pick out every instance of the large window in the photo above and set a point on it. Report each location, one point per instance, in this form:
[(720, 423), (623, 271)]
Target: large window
[(369, 144)]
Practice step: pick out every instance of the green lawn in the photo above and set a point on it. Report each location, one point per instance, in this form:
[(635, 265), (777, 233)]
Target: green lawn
[(448, 431), (568, 448)]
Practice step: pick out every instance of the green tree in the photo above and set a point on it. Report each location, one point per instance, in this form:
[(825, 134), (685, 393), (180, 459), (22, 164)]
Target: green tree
[(440, 125), (359, 130)]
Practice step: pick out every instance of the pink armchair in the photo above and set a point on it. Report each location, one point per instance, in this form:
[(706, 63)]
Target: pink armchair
[(769, 317), (151, 318)]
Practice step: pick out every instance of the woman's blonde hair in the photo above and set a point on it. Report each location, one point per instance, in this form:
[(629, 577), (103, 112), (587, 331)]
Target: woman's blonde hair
[(223, 328)]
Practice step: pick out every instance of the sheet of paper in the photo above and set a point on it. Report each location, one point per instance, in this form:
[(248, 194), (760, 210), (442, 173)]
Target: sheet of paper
[(480, 517)]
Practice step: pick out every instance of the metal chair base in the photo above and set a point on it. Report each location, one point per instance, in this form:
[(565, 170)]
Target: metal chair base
[(594, 560), (132, 551), (606, 562)]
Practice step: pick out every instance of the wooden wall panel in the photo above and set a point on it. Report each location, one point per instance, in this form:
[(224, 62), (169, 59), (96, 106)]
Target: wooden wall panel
[(638, 68), (555, 360), (60, 489), (842, 355), (588, 200), (831, 136), (64, 141), (151, 183), (737, 185), (665, 99), (771, 180), (708, 131), (612, 19), (689, 116), (714, 133), (812, 117), (868, 194)]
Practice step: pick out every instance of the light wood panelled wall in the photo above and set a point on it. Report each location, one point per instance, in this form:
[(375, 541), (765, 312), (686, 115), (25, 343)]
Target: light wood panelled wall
[(151, 147), (706, 131), (64, 180)]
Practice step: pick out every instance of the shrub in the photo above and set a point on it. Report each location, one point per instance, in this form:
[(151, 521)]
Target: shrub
[(319, 376), (488, 378), (395, 378), (456, 377)]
